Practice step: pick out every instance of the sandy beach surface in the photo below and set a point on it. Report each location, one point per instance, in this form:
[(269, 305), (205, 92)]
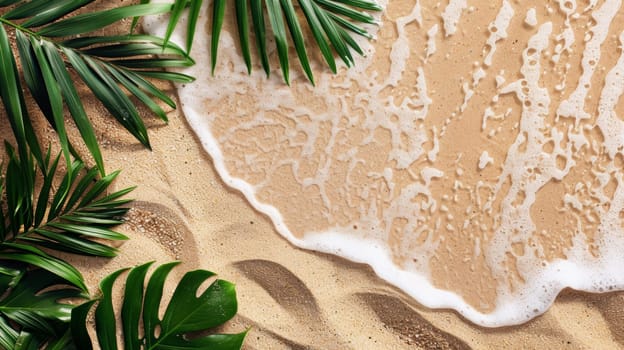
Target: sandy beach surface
[(296, 299), (292, 298)]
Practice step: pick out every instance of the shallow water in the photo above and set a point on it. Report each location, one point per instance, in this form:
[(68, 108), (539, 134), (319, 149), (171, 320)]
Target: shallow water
[(473, 158)]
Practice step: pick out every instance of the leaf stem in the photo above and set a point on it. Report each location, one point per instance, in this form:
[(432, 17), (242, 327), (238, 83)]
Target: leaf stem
[(19, 27)]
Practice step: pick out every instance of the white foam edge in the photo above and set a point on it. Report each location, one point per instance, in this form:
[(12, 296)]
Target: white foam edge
[(507, 313), (537, 300)]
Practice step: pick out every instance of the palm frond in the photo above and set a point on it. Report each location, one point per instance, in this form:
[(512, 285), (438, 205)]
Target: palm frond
[(35, 309), (142, 327), (113, 67), (75, 217), (331, 23)]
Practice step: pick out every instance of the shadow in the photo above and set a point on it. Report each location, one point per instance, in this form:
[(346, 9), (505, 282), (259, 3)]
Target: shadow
[(412, 328)]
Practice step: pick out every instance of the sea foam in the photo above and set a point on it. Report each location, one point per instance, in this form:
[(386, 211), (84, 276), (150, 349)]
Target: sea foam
[(479, 170)]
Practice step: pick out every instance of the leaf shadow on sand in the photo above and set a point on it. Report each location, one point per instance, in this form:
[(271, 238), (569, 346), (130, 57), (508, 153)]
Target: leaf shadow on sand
[(292, 294), (399, 317), (164, 226)]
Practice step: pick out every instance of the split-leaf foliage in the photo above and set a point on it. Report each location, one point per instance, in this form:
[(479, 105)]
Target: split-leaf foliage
[(55, 204)]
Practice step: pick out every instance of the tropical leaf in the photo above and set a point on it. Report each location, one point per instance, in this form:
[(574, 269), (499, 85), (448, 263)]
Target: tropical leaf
[(34, 310), (44, 209), (331, 22), (54, 43), (188, 311), (69, 218), (118, 66)]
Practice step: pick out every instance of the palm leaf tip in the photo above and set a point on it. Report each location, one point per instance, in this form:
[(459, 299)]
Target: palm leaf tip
[(74, 217), (54, 40), (332, 22)]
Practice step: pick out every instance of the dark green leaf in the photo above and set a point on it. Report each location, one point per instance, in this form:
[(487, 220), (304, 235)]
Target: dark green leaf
[(26, 341), (98, 188), (44, 193), (174, 17), (137, 92), (13, 101), (194, 8), (91, 231), (334, 7), (78, 323), (135, 20), (319, 36), (350, 26), (71, 244), (132, 305), (61, 193), (86, 219), (297, 37), (334, 36), (131, 49), (92, 21), (169, 76), (104, 314), (63, 343), (213, 341), (185, 313), (54, 94), (8, 2), (218, 12), (242, 20), (86, 41), (279, 31), (151, 63), (33, 76), (146, 86), (151, 304), (54, 10), (257, 16), (107, 91), (36, 257), (8, 335), (72, 100), (363, 4), (189, 313), (81, 187)]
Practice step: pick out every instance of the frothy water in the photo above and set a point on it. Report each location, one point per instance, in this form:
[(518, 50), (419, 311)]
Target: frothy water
[(473, 158)]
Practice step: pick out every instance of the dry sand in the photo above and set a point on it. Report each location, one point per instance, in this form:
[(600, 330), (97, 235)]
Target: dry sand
[(296, 299)]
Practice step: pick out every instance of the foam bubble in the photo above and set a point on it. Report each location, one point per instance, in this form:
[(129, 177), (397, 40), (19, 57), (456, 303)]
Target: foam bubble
[(391, 163), (451, 15)]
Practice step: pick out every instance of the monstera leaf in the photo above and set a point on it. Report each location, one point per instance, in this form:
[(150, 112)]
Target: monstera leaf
[(189, 311)]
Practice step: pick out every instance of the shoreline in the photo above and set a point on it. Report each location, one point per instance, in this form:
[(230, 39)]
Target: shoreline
[(351, 306)]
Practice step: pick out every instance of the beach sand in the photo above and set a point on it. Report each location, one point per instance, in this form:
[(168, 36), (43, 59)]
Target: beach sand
[(296, 299), (291, 298)]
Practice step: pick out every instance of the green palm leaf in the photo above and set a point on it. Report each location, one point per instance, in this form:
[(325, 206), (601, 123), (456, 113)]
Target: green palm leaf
[(43, 209), (331, 23), (186, 313), (75, 217), (112, 67)]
